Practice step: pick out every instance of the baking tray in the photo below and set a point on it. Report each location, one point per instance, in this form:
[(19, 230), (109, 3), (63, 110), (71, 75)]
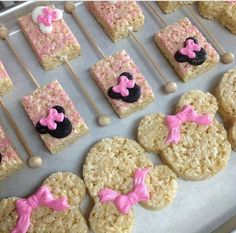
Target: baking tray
[(199, 207)]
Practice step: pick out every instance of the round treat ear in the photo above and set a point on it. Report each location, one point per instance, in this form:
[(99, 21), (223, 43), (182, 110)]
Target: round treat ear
[(152, 132), (202, 102), (65, 184), (106, 218), (232, 135), (111, 163), (162, 187), (8, 214), (59, 109)]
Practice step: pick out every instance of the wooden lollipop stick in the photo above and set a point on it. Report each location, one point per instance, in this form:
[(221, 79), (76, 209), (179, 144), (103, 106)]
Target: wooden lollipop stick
[(169, 87), (226, 57), (103, 120), (156, 14), (70, 8), (33, 161), (4, 36)]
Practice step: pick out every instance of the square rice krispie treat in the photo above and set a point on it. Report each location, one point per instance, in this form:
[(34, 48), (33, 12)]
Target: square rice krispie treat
[(9, 159), (186, 49), (117, 16), (5, 82), (54, 116), (171, 6), (122, 83), (49, 36)]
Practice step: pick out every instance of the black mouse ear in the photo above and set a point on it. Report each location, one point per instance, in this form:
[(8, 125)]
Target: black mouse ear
[(180, 58), (59, 109), (41, 129), (191, 38), (113, 94), (127, 74)]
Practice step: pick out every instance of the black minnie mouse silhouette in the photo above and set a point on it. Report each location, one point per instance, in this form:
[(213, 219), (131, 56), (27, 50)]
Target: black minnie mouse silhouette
[(192, 52), (126, 89), (56, 124)]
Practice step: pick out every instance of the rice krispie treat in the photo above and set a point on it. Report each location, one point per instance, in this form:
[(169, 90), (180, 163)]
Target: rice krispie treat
[(186, 49), (171, 6), (222, 11), (49, 36), (226, 96), (9, 159), (54, 116), (54, 207), (118, 175), (122, 83), (5, 82), (191, 142), (117, 16)]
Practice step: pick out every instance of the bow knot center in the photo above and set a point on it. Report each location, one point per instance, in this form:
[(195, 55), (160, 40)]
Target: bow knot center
[(33, 202)]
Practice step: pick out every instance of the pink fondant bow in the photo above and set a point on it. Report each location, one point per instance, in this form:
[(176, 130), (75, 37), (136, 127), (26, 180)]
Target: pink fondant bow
[(53, 116), (124, 84), (190, 49), (24, 207), (124, 202), (187, 114), (47, 17)]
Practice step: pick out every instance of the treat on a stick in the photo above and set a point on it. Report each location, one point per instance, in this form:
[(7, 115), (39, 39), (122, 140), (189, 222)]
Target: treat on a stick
[(9, 158), (171, 6), (54, 207), (54, 116), (122, 83), (49, 36), (187, 49), (117, 16), (6, 84)]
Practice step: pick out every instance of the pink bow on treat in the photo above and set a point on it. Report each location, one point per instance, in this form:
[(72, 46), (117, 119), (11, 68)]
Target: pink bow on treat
[(190, 49), (53, 116), (187, 114), (124, 84), (24, 207), (124, 202), (47, 17)]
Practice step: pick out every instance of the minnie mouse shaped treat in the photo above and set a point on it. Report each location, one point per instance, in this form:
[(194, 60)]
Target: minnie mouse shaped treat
[(54, 207), (122, 83), (118, 175), (54, 116), (226, 96), (49, 36), (186, 49), (191, 142), (222, 11)]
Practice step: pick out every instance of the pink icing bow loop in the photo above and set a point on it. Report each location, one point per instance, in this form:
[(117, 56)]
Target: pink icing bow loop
[(125, 202), (47, 17), (24, 207), (187, 114), (190, 49), (124, 84), (52, 118)]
